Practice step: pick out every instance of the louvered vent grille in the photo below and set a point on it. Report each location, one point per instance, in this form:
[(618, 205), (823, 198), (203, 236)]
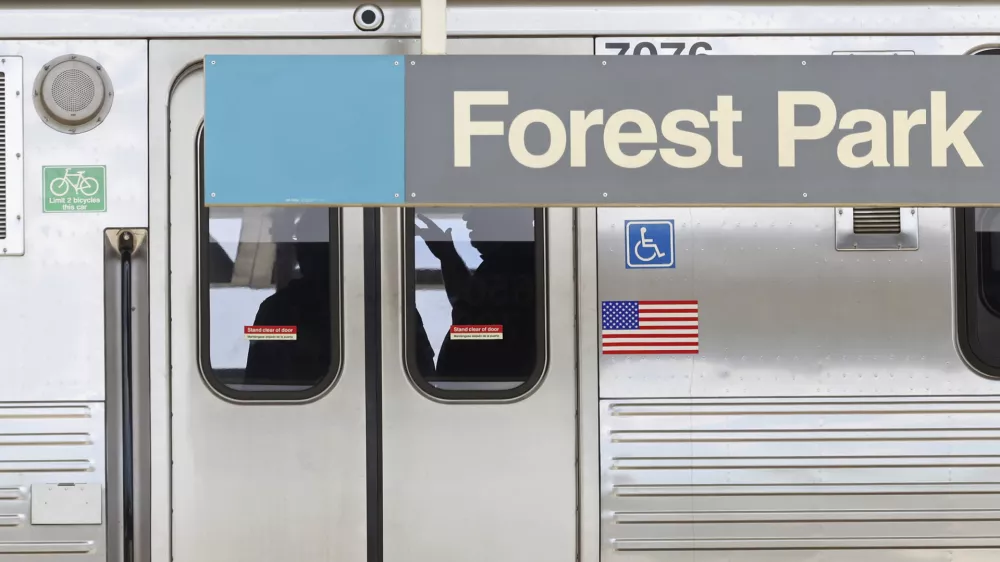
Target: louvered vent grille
[(871, 220), (3, 156)]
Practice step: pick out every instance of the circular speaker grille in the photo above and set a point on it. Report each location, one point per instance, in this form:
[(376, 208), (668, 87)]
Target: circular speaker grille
[(73, 90), (73, 94)]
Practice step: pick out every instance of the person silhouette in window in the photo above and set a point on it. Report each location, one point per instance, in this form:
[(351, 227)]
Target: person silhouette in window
[(304, 303), (501, 291)]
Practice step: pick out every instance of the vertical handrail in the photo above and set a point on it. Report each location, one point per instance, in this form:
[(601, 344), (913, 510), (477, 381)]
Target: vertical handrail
[(126, 245)]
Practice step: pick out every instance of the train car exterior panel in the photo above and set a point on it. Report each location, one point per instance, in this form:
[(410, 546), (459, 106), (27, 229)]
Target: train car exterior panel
[(826, 407)]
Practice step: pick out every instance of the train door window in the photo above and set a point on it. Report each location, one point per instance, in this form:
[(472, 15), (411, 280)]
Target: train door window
[(475, 301), (269, 298), (978, 287)]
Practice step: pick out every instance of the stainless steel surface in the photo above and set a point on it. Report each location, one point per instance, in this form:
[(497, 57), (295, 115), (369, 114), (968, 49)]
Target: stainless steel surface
[(49, 443), (783, 313), (12, 186), (158, 259), (875, 234), (313, 453), (815, 474), (588, 355), (877, 43), (499, 479), (877, 324), (828, 409), (62, 261), (172, 62), (195, 20)]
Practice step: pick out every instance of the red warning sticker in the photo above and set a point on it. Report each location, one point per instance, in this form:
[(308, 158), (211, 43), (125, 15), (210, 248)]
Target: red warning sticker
[(270, 332), (477, 332)]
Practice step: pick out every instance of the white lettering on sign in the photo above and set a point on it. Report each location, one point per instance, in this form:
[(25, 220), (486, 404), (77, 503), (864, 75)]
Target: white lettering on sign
[(942, 136), (630, 136), (270, 332), (476, 332)]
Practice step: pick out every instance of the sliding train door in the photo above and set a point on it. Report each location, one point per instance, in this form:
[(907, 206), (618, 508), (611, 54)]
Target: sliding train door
[(269, 437), (479, 374)]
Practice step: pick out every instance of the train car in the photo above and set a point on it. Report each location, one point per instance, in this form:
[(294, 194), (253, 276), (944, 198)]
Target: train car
[(188, 383)]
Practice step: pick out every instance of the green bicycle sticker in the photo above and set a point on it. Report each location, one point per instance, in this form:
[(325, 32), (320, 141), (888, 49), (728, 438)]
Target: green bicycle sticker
[(74, 189)]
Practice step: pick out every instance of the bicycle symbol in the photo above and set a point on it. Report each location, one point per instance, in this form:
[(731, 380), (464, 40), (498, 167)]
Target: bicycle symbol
[(80, 184), (646, 243)]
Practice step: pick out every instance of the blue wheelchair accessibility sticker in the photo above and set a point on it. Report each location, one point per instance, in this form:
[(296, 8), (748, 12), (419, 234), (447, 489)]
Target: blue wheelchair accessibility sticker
[(650, 244)]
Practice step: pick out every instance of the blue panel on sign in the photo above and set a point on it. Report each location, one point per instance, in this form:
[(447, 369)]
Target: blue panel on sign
[(649, 244), (304, 129)]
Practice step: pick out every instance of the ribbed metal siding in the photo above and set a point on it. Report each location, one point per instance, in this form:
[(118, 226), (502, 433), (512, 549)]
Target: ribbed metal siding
[(745, 475)]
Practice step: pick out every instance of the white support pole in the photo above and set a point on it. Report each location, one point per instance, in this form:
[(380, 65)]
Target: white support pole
[(433, 27)]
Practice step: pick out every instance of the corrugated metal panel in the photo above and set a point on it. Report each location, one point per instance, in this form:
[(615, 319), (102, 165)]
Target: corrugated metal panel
[(806, 474), (49, 444)]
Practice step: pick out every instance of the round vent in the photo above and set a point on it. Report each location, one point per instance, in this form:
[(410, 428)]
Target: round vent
[(73, 94)]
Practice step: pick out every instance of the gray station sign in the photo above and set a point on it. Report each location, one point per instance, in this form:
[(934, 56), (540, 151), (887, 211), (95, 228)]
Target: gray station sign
[(723, 130)]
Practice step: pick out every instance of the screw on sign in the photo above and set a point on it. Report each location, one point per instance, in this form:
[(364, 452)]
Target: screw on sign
[(270, 332), (476, 332)]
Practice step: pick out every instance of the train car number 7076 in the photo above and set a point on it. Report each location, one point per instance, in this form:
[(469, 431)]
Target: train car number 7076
[(650, 46)]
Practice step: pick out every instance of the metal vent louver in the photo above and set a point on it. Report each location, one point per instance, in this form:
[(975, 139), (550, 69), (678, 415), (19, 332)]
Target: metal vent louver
[(872, 228), (11, 169), (3, 156), (872, 220)]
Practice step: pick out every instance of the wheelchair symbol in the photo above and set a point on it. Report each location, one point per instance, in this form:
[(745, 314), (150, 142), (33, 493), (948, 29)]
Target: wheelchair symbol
[(650, 244), (646, 243)]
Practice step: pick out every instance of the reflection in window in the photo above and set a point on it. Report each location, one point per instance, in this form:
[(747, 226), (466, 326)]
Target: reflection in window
[(269, 278), (978, 237), (475, 307)]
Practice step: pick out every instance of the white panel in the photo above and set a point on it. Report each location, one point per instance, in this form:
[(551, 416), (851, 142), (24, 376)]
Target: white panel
[(66, 504), (57, 287)]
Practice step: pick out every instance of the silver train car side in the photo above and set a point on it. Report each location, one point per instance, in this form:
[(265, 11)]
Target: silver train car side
[(834, 397)]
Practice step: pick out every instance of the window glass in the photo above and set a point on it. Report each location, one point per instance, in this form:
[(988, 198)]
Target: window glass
[(269, 290), (475, 305), (978, 238)]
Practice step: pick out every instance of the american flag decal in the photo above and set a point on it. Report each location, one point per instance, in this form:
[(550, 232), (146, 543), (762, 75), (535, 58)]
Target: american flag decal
[(649, 327)]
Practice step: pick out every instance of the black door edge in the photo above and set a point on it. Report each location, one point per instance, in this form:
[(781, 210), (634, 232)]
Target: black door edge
[(373, 378)]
